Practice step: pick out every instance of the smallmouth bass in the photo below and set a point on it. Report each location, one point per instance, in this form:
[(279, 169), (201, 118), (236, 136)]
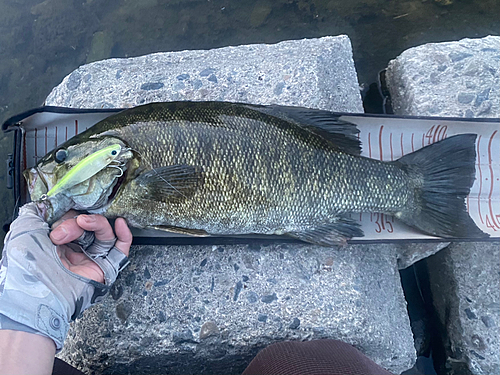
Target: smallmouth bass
[(206, 168)]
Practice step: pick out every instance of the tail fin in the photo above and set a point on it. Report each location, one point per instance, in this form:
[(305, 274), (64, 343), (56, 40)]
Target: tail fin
[(443, 174)]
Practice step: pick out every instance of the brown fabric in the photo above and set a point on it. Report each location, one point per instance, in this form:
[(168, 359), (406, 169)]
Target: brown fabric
[(63, 368), (318, 357)]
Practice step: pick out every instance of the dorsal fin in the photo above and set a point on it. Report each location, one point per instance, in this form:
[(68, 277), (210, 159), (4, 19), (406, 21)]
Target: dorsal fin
[(342, 134)]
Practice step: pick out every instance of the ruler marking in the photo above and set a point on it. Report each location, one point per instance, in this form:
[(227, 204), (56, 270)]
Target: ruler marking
[(55, 140), (76, 127), (402, 149), (369, 145), (423, 140), (380, 142), (435, 134), (480, 180), (66, 137), (412, 146), (390, 145), (46, 140), (493, 218)]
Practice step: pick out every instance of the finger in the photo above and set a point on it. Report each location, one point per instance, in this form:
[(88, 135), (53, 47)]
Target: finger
[(97, 224), (67, 231), (124, 236), (71, 214)]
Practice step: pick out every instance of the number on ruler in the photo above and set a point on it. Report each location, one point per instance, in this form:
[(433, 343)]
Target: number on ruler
[(436, 133), (383, 223)]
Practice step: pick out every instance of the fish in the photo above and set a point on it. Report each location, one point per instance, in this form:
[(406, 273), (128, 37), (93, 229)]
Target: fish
[(221, 168)]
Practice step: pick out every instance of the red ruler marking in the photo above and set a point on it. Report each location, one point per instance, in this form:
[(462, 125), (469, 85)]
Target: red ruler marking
[(66, 137), (423, 140), (76, 127), (380, 142), (390, 145), (412, 147), (493, 218), (480, 179), (55, 140), (369, 145), (402, 149)]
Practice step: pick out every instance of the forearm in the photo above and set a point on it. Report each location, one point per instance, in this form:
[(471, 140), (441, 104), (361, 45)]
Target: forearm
[(25, 353)]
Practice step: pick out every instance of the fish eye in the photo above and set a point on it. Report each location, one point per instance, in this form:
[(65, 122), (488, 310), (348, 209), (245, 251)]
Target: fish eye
[(114, 152), (60, 155)]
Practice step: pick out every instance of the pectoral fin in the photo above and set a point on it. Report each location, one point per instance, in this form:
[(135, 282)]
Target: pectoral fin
[(169, 184), (331, 234)]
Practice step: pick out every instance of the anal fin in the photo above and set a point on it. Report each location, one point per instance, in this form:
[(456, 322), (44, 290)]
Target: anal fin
[(332, 234)]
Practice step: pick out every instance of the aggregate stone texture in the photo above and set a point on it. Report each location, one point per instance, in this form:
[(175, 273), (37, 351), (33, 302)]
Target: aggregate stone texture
[(201, 309), (465, 283), (314, 73), (452, 79)]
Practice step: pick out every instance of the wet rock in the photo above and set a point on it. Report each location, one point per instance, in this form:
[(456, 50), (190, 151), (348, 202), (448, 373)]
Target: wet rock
[(100, 47), (260, 12)]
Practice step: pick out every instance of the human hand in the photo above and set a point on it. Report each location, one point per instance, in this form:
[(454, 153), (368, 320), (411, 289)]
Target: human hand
[(72, 226), (43, 284)]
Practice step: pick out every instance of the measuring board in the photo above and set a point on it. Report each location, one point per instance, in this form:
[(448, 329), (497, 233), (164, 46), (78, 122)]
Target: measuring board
[(385, 138)]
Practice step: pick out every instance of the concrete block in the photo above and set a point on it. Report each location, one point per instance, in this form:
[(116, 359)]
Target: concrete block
[(465, 283), (314, 73), (453, 79), (201, 309)]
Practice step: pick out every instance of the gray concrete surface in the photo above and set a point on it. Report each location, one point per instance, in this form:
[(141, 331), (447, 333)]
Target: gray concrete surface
[(199, 309), (454, 79), (209, 310), (314, 73), (434, 80), (465, 282)]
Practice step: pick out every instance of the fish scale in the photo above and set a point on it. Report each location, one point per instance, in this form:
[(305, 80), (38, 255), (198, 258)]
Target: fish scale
[(297, 183), (230, 168)]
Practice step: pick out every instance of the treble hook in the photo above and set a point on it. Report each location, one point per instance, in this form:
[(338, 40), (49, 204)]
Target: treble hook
[(117, 167)]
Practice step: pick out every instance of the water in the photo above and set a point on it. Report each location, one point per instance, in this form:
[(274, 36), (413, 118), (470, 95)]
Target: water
[(41, 42)]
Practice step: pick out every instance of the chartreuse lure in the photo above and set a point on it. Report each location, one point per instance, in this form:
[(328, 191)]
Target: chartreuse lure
[(86, 168)]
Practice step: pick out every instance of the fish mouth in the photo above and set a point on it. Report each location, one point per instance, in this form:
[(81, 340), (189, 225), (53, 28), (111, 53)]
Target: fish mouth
[(36, 182), (116, 187)]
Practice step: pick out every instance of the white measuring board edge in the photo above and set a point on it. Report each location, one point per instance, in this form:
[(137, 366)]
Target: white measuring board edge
[(383, 138), (387, 139)]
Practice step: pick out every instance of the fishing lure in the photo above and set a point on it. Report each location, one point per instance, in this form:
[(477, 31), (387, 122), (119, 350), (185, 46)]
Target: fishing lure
[(86, 168)]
